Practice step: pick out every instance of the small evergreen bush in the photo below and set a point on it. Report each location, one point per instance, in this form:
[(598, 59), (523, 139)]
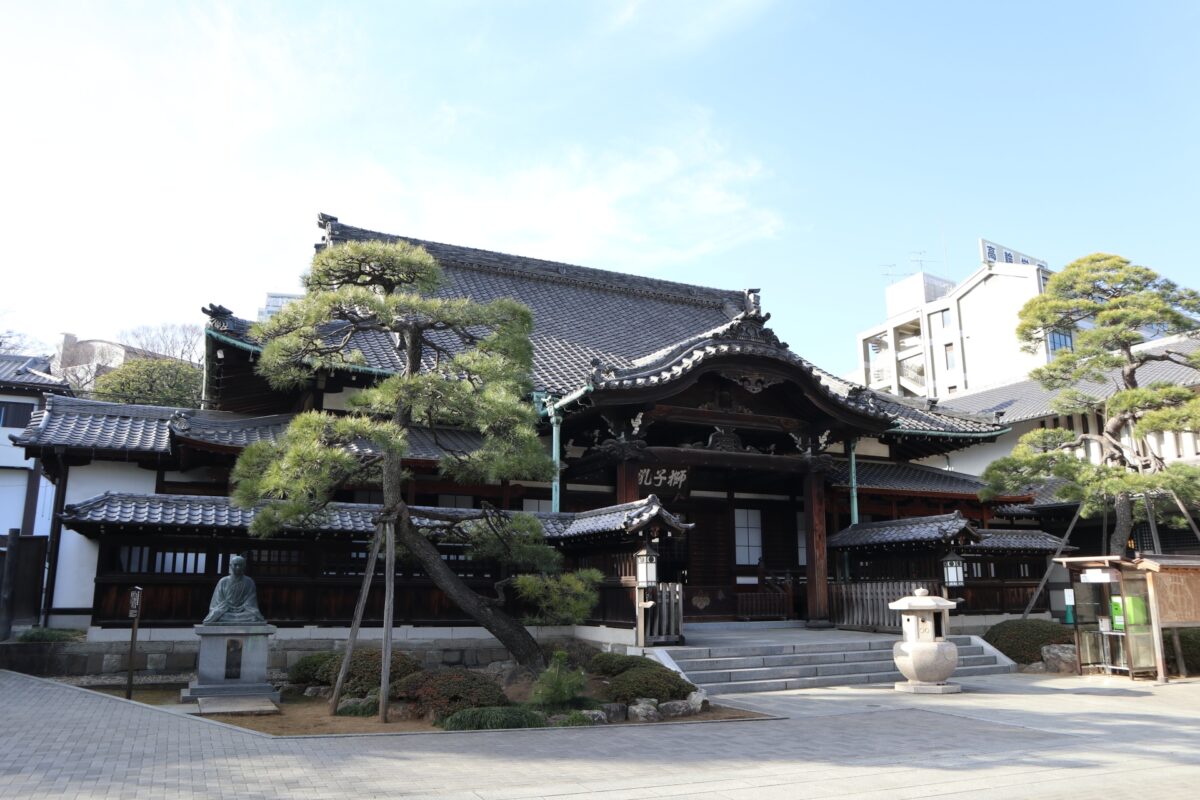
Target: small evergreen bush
[(50, 635), (440, 693), (365, 668), (1189, 638), (658, 682), (1022, 639), (573, 719), (309, 668), (559, 686), (611, 664), (493, 718)]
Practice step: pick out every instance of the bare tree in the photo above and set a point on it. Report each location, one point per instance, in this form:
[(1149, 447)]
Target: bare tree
[(183, 341), (16, 342)]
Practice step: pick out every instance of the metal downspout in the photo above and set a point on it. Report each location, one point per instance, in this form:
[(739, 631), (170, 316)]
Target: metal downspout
[(853, 484), (556, 448)]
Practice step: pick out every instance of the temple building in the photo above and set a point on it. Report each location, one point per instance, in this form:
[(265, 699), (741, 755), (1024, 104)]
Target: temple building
[(677, 417)]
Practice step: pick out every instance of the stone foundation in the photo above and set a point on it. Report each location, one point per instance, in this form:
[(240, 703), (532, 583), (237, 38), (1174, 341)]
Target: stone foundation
[(97, 658)]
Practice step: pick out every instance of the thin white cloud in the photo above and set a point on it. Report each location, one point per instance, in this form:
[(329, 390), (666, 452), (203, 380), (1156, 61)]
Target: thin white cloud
[(154, 169)]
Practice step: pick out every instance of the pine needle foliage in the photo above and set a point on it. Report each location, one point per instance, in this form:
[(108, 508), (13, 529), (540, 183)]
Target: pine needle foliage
[(1109, 307)]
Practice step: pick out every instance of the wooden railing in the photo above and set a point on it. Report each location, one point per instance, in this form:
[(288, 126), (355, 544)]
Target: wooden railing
[(763, 605), (864, 605), (664, 619)]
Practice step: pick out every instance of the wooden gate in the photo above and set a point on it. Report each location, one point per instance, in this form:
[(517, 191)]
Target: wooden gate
[(864, 605), (663, 621)]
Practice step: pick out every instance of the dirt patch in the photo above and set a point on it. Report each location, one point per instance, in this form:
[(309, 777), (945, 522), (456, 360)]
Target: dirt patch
[(309, 716), (151, 696)]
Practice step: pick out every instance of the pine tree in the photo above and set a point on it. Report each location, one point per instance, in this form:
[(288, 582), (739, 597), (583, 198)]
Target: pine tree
[(1108, 306), (461, 364)]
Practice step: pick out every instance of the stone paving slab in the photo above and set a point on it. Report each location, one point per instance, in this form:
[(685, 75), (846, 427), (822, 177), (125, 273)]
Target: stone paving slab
[(1005, 736), (249, 706)]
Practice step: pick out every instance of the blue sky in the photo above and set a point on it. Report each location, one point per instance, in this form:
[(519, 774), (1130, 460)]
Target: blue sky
[(159, 156)]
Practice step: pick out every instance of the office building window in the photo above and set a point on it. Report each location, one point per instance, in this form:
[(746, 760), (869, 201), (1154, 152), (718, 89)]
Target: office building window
[(951, 358), (1059, 340), (747, 529)]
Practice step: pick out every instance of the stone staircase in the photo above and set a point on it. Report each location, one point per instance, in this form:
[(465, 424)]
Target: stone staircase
[(772, 667)]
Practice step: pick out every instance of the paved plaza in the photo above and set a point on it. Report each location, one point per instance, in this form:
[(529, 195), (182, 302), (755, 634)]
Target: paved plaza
[(1006, 736)]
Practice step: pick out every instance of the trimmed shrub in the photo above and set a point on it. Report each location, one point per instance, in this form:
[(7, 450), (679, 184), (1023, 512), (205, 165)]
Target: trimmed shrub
[(658, 682), (1189, 638), (573, 719), (365, 668), (440, 693), (611, 664), (494, 717), (1022, 639), (50, 635), (559, 686), (309, 668)]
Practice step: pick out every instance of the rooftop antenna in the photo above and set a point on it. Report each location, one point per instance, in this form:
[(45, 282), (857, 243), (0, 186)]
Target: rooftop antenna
[(920, 260), (893, 274)]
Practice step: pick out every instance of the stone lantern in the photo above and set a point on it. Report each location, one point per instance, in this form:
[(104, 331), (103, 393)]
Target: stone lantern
[(923, 655)]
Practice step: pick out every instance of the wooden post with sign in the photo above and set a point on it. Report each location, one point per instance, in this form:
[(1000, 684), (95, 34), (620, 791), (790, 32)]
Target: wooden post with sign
[(135, 613)]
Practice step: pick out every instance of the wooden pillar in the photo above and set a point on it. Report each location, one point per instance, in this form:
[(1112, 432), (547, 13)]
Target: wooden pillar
[(818, 568), (627, 488)]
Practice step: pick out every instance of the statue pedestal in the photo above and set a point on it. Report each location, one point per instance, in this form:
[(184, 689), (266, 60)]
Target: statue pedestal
[(232, 663)]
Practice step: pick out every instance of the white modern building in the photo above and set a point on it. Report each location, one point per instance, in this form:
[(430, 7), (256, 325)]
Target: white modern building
[(942, 338), (1025, 405), (274, 303)]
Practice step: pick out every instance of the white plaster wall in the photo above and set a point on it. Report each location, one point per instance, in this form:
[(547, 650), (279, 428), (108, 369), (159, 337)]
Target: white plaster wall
[(987, 312), (13, 483), (974, 460), (74, 586), (337, 401)]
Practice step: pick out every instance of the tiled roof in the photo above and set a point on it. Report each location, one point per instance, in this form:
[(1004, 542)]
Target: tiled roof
[(1032, 540), (942, 529), (1044, 494), (905, 477), (1025, 400), (28, 372), (97, 425), (937, 528), (188, 511), (615, 330)]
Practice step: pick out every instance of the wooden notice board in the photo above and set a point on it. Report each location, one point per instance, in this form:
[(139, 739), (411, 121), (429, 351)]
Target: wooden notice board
[(1177, 593)]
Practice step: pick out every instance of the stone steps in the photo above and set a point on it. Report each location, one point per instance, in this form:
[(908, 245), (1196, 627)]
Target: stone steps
[(766, 668)]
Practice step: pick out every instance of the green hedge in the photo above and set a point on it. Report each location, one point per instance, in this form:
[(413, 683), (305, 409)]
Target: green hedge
[(611, 664), (1022, 639), (658, 682), (308, 669), (443, 692), (50, 635), (365, 668), (493, 718)]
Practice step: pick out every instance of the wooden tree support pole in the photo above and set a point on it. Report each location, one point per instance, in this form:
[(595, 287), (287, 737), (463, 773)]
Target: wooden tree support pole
[(1186, 515), (356, 623), (389, 593), (1050, 566)]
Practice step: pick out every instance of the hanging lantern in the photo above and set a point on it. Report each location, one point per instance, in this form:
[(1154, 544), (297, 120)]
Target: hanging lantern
[(647, 567), (953, 569)]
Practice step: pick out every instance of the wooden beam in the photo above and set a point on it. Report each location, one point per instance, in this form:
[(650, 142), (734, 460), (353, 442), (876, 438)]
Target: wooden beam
[(817, 583)]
